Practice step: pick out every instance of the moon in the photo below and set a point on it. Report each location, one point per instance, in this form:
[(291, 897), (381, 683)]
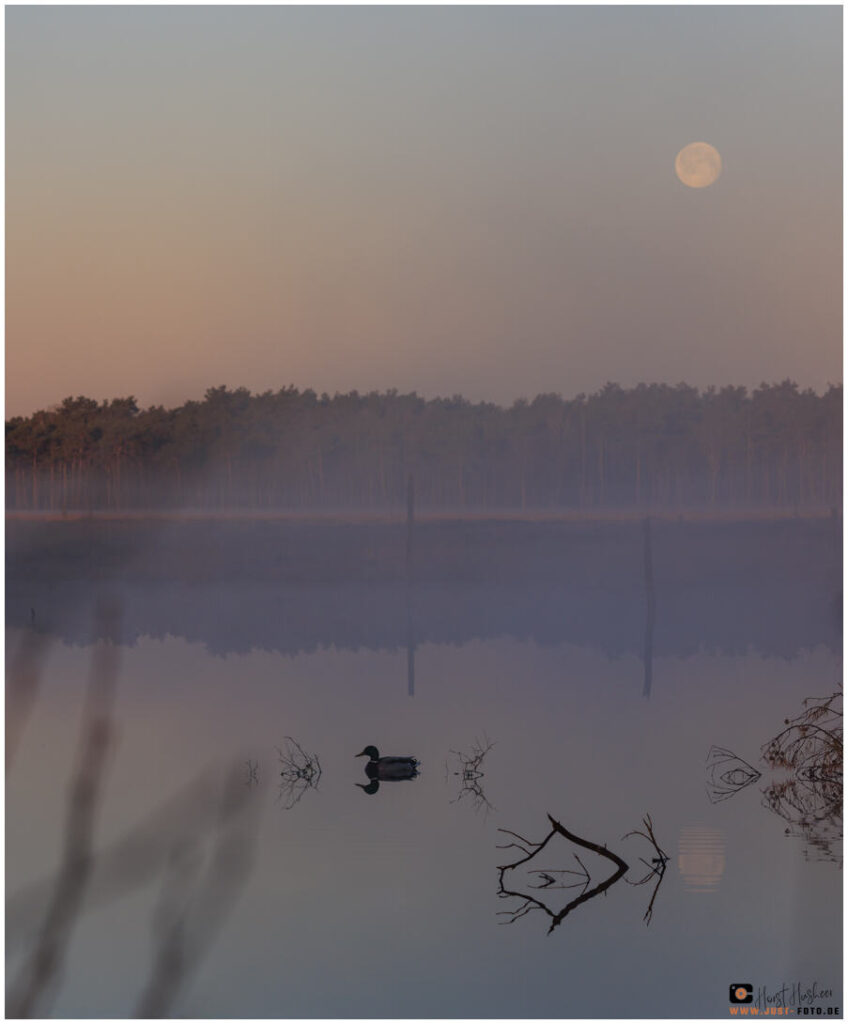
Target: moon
[(698, 164)]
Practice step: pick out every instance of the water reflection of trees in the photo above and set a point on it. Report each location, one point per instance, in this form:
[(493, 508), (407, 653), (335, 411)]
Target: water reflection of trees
[(548, 880), (238, 615), (808, 793)]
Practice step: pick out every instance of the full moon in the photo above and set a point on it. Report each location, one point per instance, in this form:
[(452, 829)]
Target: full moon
[(698, 164)]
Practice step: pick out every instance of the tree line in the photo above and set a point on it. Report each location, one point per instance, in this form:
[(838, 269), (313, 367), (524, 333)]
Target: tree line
[(651, 446)]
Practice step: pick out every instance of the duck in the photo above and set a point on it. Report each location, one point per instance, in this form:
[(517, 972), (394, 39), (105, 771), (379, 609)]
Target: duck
[(386, 769)]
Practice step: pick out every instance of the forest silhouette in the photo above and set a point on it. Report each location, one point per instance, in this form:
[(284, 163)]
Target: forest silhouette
[(652, 446)]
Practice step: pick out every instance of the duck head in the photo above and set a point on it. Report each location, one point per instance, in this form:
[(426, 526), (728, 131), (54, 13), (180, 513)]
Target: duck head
[(372, 753)]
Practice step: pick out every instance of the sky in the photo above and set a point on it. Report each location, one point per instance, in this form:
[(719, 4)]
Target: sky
[(474, 200)]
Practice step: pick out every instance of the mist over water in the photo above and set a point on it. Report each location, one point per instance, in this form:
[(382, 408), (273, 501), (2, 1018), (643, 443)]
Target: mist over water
[(234, 867)]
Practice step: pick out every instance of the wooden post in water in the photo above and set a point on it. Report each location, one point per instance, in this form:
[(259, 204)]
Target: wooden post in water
[(410, 646), (410, 524), (650, 608), (410, 632)]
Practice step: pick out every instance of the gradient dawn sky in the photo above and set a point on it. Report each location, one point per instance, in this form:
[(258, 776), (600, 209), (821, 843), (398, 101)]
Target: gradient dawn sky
[(443, 199)]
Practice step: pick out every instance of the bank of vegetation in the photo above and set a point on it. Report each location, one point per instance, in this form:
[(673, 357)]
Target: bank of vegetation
[(650, 447)]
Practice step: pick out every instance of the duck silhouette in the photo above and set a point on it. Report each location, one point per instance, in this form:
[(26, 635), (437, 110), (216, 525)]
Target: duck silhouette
[(386, 769)]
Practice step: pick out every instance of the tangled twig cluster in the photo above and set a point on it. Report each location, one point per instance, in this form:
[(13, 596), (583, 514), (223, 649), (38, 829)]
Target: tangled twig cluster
[(300, 772), (807, 794), (470, 772)]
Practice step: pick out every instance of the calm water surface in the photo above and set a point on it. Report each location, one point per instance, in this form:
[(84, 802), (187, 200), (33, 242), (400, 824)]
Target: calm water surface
[(220, 893)]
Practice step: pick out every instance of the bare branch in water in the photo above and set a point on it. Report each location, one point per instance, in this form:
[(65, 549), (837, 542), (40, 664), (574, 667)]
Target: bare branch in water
[(300, 772), (530, 902), (810, 747), (812, 740), (808, 751), (657, 866), (470, 772), (727, 774)]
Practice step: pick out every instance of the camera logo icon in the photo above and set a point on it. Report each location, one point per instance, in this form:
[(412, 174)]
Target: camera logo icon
[(741, 993)]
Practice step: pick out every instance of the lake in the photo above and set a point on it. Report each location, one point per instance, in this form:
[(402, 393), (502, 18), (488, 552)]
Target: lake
[(221, 858)]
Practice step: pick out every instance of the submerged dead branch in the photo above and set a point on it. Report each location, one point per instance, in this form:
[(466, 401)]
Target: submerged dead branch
[(554, 878), (531, 903)]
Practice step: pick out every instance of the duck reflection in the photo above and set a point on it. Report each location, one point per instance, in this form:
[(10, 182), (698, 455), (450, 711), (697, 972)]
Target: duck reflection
[(386, 769), (807, 793)]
